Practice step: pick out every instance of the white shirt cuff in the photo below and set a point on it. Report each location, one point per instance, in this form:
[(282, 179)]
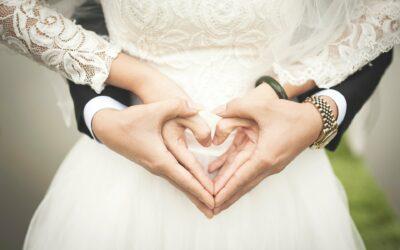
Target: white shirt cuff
[(340, 101), (95, 105)]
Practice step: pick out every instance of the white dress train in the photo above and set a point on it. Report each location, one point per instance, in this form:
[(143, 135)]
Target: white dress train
[(100, 200)]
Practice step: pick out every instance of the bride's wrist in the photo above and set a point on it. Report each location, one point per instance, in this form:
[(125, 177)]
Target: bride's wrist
[(266, 92), (144, 81), (293, 91), (130, 73)]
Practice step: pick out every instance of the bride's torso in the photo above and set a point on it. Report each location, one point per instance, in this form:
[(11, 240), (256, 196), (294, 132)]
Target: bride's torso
[(214, 49)]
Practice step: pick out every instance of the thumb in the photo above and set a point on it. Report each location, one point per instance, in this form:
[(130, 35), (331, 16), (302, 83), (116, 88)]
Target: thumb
[(174, 108), (231, 109), (226, 126), (199, 128)]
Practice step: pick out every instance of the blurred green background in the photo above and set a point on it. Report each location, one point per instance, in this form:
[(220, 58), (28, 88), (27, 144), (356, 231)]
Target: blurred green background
[(371, 212)]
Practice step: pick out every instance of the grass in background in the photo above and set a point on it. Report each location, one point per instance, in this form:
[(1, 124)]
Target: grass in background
[(371, 212)]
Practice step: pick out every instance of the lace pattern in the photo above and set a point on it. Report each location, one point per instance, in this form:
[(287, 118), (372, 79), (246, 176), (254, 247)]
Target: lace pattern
[(32, 29), (374, 30), (194, 34)]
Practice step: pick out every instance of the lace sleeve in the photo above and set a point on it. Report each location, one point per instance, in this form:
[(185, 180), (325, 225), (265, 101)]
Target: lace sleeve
[(36, 31), (373, 31)]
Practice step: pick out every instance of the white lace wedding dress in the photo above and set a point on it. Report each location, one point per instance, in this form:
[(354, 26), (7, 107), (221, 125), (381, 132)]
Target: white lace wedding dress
[(215, 50)]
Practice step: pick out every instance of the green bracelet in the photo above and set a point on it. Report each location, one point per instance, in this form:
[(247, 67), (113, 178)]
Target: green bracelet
[(279, 90)]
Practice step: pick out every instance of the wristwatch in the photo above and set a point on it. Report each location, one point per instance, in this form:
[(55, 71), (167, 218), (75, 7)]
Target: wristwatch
[(330, 126)]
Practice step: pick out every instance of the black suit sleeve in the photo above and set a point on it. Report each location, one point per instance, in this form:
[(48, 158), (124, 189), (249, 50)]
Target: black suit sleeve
[(90, 16), (357, 89)]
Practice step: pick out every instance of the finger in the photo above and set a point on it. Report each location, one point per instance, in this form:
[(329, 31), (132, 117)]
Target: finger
[(200, 205), (172, 108), (229, 169), (226, 126), (219, 162), (240, 194), (199, 128), (252, 133), (219, 109), (245, 174), (236, 108), (187, 159), (189, 184)]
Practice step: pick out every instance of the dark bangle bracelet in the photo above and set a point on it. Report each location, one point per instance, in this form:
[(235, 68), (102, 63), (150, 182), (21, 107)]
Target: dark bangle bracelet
[(279, 90)]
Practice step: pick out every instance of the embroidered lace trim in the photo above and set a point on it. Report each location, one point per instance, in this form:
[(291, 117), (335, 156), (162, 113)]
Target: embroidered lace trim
[(374, 31), (36, 31)]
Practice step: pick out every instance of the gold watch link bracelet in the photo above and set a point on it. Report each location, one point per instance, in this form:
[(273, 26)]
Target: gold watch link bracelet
[(330, 126)]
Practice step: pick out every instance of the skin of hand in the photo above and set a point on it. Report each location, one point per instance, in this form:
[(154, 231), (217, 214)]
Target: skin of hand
[(283, 129), (151, 86), (136, 133), (173, 133), (241, 149), (137, 76), (144, 81)]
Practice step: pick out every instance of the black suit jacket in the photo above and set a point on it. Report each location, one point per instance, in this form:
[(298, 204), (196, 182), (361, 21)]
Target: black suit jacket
[(356, 89)]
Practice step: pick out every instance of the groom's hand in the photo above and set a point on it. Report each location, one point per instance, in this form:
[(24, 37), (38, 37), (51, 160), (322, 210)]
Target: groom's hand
[(285, 128), (136, 134), (175, 139)]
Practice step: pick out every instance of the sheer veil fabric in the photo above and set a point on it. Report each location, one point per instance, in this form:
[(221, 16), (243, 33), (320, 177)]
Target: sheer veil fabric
[(300, 41)]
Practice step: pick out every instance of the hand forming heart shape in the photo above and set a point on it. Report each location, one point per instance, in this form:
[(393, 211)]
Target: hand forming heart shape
[(173, 133), (271, 132), (203, 127)]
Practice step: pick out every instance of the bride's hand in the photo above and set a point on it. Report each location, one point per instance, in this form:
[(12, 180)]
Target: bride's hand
[(286, 128), (136, 134)]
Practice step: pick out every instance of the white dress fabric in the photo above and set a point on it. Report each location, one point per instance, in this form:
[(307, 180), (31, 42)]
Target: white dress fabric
[(99, 200)]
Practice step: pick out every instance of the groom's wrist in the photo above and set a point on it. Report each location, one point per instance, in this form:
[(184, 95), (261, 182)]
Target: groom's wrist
[(103, 123), (94, 106)]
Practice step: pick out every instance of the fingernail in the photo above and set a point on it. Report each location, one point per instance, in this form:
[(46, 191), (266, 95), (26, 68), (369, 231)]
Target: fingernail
[(211, 205), (193, 106), (215, 141), (218, 109), (190, 104)]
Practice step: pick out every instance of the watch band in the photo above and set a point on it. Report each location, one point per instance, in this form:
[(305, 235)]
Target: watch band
[(330, 127), (275, 85)]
